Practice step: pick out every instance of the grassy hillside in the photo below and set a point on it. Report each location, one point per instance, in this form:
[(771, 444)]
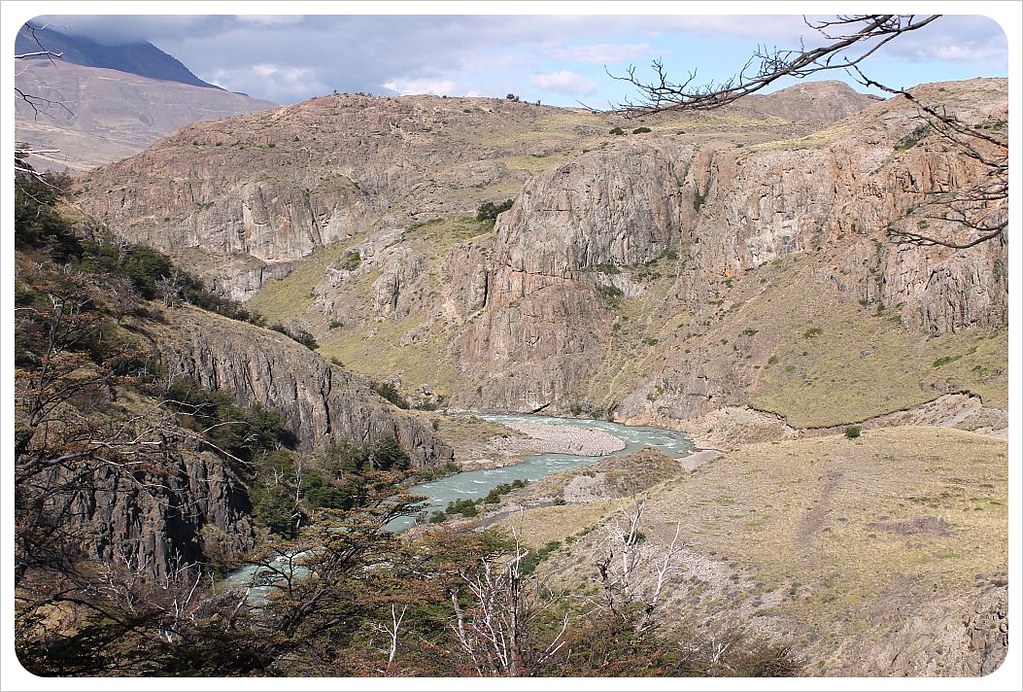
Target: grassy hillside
[(784, 534), (825, 360)]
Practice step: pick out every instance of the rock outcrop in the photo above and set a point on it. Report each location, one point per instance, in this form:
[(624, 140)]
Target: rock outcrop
[(320, 403), (731, 210), (965, 636), (151, 523), (605, 288), (242, 198)]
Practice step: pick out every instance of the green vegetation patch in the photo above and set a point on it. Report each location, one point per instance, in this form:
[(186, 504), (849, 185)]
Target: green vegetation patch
[(862, 364), (436, 237), (283, 300)]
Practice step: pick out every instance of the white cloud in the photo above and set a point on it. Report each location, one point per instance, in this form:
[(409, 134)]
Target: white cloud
[(281, 83), (963, 53), (565, 82), (495, 54), (955, 39), (269, 20), (602, 53), (407, 87)]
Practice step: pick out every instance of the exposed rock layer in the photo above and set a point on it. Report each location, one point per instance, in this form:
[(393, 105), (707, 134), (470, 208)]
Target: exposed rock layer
[(320, 403)]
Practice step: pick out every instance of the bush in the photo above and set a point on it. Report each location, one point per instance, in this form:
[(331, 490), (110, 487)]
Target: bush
[(36, 220), (350, 261), (640, 130), (389, 392), (913, 138), (301, 336), (611, 294), (616, 131), (385, 455), (465, 507), (244, 433), (488, 211), (528, 564), (852, 432)]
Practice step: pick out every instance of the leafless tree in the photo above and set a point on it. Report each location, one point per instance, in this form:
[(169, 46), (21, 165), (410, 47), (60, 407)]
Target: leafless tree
[(977, 214), (34, 101), (37, 103), (634, 573), (495, 629), (972, 216), (391, 631)]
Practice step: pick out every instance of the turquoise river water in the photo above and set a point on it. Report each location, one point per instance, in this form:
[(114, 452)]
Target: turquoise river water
[(473, 485), (477, 484)]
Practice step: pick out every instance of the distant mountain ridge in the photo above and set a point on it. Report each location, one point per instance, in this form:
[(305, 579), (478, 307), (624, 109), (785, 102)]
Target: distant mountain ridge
[(139, 57)]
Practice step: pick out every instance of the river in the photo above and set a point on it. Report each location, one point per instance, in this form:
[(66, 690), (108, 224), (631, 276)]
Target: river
[(473, 485), (477, 484)]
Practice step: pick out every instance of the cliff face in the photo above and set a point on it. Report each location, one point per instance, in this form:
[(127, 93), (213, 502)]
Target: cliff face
[(242, 198), (653, 276), (588, 228), (319, 402), (190, 509)]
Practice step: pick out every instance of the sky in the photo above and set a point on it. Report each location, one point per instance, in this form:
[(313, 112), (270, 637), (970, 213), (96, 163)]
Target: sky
[(560, 53), (555, 52)]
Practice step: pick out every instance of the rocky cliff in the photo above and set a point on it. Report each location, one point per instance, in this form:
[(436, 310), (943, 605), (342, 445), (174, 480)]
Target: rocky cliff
[(592, 227), (191, 508), (651, 276), (320, 403)]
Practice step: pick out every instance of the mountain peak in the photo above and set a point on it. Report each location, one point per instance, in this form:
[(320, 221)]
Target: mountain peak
[(137, 57)]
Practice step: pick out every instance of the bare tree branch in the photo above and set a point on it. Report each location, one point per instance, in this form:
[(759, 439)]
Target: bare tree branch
[(967, 216), (863, 36)]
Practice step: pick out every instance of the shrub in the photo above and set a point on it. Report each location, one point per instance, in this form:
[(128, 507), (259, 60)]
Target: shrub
[(465, 507), (244, 433), (611, 294), (350, 261), (301, 336), (812, 333), (640, 130), (913, 138), (616, 131), (389, 392), (488, 211), (852, 432), (385, 455), (528, 564)]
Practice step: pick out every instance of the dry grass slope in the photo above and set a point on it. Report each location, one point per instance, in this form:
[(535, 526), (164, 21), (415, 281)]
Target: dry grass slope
[(835, 545)]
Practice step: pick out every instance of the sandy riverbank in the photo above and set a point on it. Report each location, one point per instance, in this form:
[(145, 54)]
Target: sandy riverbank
[(546, 438)]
